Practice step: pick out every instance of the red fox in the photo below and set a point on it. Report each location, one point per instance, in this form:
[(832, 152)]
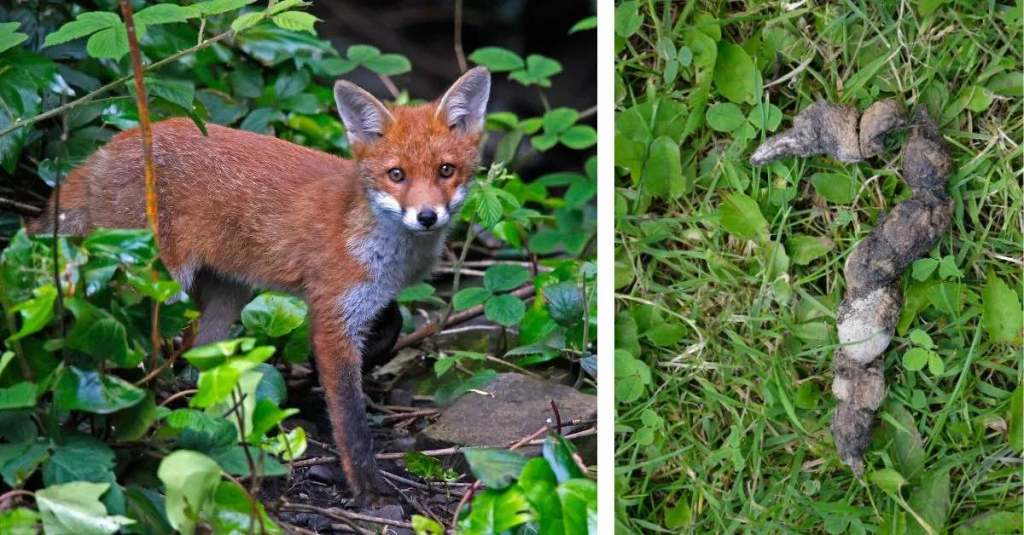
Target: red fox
[(239, 209)]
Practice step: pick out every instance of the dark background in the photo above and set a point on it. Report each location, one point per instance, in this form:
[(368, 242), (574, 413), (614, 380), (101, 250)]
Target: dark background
[(423, 31)]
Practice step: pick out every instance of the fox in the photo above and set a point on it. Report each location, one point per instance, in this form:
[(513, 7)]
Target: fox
[(238, 210)]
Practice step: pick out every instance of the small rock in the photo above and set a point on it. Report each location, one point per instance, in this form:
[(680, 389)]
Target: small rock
[(517, 407), (400, 397), (328, 473)]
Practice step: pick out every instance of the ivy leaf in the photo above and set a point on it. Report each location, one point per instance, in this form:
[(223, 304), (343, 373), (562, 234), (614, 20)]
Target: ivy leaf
[(91, 391), (558, 452), (274, 315), (496, 512), (190, 479), (9, 38), (579, 505), (84, 24), (37, 312), (75, 509), (495, 468)]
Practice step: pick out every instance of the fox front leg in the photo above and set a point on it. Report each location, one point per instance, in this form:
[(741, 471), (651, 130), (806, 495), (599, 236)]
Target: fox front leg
[(339, 367)]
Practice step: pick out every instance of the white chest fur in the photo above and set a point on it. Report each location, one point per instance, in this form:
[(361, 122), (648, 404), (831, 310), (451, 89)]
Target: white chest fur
[(393, 257)]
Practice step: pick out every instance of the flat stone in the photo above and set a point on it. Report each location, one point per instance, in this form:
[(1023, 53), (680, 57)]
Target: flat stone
[(517, 405)]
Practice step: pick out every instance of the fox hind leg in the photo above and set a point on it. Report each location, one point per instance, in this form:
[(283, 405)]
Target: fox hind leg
[(221, 302)]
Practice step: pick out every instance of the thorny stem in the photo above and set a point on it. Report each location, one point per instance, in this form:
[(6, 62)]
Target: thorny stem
[(149, 167)]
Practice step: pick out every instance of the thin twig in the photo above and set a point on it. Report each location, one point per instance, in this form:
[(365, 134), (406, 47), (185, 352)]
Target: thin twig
[(433, 328), (20, 207), (347, 517), (460, 55)]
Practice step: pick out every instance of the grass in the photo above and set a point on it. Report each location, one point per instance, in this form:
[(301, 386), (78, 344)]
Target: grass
[(726, 324)]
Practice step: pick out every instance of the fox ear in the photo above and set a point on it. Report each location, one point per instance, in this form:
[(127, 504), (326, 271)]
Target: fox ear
[(465, 103), (364, 116)]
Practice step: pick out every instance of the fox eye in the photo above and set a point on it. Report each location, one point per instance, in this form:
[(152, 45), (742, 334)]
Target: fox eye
[(396, 174), (446, 170)]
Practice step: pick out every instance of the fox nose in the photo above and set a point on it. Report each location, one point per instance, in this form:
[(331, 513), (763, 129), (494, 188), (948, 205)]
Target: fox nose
[(427, 217)]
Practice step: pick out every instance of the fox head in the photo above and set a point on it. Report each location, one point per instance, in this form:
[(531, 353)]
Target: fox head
[(416, 161)]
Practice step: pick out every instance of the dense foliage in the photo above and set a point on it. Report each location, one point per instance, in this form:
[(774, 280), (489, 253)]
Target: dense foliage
[(101, 432), (728, 275)]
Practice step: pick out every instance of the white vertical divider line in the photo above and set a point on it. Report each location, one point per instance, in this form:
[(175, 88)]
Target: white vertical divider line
[(606, 266)]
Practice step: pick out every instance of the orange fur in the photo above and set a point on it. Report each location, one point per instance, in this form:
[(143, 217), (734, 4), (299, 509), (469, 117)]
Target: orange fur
[(262, 211)]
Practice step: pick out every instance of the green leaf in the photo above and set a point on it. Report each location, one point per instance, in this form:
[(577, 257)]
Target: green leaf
[(1015, 433), (805, 249), (19, 395), (538, 71), (246, 21), (217, 353), (425, 466), (362, 53), (579, 137), (496, 512), (538, 483), (91, 391), (274, 314), (231, 511), (216, 7), (915, 359), (162, 14), (190, 479), (19, 461), (579, 505), (504, 277), (565, 303), (765, 120), (75, 509), (497, 59), (417, 292), (1001, 311), (506, 309), (558, 452), (297, 21), (389, 64), (470, 297), (631, 377), (888, 480), (495, 468), (923, 268), (921, 339), (991, 523), (84, 24), (79, 458), (9, 38), (425, 526), (180, 92), (20, 521), (735, 77), (559, 120), (836, 187), (111, 43), (926, 7), (627, 19), (662, 168), (36, 313), (907, 446), (725, 117), (216, 384), (930, 500), (740, 215), (588, 23)]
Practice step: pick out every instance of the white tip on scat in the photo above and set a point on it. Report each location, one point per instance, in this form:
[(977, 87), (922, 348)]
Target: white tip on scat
[(841, 389), (863, 338)]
